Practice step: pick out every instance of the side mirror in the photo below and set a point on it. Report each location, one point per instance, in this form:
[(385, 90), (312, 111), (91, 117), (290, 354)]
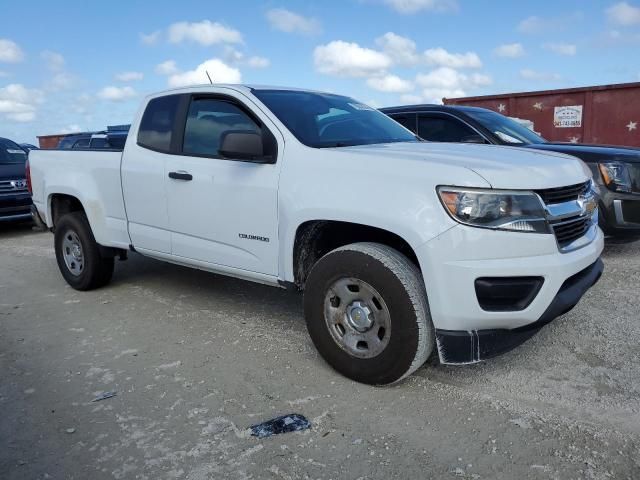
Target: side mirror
[(473, 139), (243, 145)]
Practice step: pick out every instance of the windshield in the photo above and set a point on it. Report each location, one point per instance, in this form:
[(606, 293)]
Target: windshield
[(322, 120), (11, 152), (505, 128)]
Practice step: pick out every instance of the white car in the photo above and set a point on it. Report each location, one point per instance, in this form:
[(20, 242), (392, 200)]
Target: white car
[(403, 248)]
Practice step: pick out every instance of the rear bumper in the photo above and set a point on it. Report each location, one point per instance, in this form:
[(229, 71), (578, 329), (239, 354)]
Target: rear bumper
[(461, 347)]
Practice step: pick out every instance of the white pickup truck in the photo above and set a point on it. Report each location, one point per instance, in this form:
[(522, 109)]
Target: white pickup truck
[(403, 248)]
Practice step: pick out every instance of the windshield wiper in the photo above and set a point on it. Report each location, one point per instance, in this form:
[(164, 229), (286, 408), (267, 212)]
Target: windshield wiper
[(336, 145)]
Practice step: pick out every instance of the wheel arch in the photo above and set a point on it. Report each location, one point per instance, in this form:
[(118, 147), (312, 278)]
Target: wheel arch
[(315, 238)]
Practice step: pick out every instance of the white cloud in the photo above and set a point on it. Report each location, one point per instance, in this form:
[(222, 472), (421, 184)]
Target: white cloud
[(413, 6), (205, 33), (150, 38), (18, 103), (440, 57), (54, 60), (390, 84), (258, 62), (72, 128), (129, 76), (235, 57), (561, 48), (116, 94), (623, 14), (535, 24), (349, 60), (448, 82), (411, 98), (290, 22), (219, 71), (61, 81), (509, 50), (529, 74), (401, 50), (166, 68), (10, 52)]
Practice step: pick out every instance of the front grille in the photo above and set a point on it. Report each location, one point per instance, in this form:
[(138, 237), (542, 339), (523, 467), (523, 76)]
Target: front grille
[(563, 194), (570, 230), (6, 186)]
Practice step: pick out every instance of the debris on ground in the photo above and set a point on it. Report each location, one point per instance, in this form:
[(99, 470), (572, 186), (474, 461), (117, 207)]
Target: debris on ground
[(70, 430), (284, 424), (104, 396)]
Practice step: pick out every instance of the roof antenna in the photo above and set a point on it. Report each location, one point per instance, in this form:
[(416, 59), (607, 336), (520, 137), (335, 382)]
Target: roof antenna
[(209, 77)]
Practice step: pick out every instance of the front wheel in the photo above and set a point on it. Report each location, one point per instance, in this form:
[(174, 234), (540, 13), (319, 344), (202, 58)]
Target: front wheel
[(367, 313), (78, 254)]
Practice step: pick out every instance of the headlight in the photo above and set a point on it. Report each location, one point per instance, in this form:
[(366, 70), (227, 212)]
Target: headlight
[(616, 176), (495, 209)]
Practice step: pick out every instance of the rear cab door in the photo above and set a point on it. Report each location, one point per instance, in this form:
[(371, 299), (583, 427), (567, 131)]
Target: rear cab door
[(143, 171)]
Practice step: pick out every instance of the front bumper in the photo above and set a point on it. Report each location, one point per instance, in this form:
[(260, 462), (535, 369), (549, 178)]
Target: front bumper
[(461, 347), (619, 213), (452, 262), (15, 207)]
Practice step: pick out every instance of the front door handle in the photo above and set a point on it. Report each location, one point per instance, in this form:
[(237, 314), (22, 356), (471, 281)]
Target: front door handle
[(181, 175)]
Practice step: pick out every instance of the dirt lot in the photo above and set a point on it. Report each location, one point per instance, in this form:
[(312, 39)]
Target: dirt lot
[(196, 358)]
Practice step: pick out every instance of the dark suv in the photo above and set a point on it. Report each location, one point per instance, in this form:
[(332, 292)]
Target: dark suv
[(616, 170), (15, 200)]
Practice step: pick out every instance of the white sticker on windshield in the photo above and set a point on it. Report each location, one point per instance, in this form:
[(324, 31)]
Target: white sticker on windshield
[(360, 106), (16, 151)]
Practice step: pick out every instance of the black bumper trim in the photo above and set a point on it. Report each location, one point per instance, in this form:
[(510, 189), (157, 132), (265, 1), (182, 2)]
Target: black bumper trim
[(459, 347)]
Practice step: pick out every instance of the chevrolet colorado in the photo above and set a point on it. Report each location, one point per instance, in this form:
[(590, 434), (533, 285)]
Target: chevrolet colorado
[(616, 169), (403, 248)]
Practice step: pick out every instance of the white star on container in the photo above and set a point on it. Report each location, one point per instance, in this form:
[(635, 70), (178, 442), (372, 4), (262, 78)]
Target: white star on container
[(574, 140), (502, 107), (632, 126), (537, 105)]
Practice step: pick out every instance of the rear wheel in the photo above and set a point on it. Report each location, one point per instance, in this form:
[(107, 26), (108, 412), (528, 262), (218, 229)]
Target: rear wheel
[(78, 254), (367, 313)]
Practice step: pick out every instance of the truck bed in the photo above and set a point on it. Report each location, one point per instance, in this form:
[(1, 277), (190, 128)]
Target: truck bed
[(93, 177)]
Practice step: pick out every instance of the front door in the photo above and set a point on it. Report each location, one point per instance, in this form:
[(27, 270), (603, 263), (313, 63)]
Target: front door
[(223, 211)]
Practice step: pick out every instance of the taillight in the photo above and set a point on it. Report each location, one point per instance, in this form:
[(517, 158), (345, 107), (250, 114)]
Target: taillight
[(28, 175)]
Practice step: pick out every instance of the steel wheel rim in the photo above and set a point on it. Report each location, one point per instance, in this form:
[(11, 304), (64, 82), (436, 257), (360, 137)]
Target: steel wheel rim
[(72, 253), (357, 317)]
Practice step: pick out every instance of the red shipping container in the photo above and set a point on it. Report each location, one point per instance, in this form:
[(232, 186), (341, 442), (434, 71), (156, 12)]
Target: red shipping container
[(605, 114)]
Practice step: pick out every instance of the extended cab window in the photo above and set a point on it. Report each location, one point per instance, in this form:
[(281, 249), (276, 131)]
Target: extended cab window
[(208, 121), (443, 129), (156, 125)]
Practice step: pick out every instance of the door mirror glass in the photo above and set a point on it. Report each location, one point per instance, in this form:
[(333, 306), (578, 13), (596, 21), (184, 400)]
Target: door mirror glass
[(244, 145)]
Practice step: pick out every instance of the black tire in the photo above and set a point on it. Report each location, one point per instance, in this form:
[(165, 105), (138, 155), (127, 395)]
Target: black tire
[(403, 299), (96, 269)]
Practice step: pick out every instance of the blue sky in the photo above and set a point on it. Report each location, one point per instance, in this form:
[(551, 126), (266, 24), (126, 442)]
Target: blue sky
[(76, 65)]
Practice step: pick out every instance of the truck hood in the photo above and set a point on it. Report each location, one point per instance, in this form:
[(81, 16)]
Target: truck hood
[(501, 167), (592, 153)]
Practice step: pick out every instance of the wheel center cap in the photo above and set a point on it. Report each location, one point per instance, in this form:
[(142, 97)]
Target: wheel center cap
[(359, 316), (76, 251)]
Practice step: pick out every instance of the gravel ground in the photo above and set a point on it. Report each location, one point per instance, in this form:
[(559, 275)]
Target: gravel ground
[(196, 358)]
